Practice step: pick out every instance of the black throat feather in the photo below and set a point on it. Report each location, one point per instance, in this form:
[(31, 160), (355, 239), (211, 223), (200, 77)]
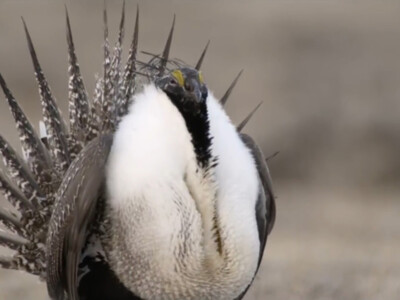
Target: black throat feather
[(198, 126)]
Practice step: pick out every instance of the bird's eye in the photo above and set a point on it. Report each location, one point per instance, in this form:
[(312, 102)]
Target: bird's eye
[(173, 81)]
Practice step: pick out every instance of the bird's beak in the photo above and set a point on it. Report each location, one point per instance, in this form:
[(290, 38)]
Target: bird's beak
[(194, 89)]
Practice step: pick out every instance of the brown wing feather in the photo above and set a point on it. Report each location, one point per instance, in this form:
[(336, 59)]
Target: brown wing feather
[(265, 178), (74, 209)]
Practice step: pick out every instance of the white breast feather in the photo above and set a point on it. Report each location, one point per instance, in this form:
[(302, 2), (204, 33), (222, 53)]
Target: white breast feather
[(151, 142), (238, 186), (161, 254)]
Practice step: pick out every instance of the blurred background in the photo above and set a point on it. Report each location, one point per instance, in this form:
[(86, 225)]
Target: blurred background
[(329, 75)]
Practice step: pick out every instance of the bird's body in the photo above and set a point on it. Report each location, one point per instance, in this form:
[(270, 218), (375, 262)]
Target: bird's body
[(162, 198), (178, 247)]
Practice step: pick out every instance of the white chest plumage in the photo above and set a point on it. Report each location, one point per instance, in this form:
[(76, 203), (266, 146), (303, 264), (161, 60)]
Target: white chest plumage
[(164, 209)]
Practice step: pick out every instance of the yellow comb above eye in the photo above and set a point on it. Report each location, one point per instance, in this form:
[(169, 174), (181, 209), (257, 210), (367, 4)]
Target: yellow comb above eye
[(201, 79), (179, 77)]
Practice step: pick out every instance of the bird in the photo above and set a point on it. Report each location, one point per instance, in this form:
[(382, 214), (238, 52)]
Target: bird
[(151, 192)]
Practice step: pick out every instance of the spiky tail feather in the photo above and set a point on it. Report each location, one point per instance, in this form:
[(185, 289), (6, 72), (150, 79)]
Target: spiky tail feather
[(31, 184)]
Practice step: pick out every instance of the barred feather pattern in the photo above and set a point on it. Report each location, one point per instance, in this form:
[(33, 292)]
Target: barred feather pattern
[(31, 225), (108, 106), (10, 241), (36, 154), (55, 127), (115, 79), (128, 85), (10, 221), (29, 254), (115, 70), (14, 196), (78, 99), (96, 110), (32, 219), (32, 186), (19, 171)]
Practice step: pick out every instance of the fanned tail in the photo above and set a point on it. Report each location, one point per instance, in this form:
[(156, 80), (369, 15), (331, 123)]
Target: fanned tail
[(115, 89), (31, 183)]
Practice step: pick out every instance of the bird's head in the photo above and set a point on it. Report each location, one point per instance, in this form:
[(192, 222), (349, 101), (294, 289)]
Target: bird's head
[(187, 91), (186, 88)]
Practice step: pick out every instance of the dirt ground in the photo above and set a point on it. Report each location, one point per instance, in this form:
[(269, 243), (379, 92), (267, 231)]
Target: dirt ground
[(329, 74)]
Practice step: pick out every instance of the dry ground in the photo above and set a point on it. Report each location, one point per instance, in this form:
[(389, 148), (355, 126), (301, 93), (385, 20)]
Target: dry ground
[(329, 74)]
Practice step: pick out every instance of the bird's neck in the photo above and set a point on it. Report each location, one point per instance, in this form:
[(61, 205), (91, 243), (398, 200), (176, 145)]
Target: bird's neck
[(198, 126), (201, 180)]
